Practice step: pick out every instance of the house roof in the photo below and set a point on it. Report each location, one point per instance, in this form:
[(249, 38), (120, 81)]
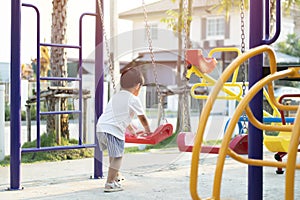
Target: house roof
[(163, 6), (287, 59)]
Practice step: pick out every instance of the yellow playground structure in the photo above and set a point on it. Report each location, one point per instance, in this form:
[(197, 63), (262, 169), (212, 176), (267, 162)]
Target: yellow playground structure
[(289, 136)]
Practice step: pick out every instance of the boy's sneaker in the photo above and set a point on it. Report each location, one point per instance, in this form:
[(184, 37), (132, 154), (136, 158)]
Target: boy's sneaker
[(118, 184), (112, 187), (120, 178)]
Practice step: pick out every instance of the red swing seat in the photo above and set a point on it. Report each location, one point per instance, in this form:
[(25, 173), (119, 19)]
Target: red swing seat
[(161, 133), (205, 65), (185, 142)]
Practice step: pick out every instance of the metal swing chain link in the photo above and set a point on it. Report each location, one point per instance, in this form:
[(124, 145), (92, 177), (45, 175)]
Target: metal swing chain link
[(243, 68), (159, 93), (110, 63), (185, 18)]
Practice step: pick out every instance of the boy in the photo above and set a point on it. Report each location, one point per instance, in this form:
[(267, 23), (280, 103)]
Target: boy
[(113, 122)]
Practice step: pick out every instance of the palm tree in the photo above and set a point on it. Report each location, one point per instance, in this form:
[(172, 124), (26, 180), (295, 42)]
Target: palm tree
[(58, 62)]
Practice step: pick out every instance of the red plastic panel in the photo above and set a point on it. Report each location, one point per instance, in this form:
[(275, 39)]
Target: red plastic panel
[(185, 142), (195, 58), (161, 133)]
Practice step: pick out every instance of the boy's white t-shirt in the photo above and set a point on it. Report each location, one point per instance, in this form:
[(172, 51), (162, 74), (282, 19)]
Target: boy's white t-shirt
[(118, 114)]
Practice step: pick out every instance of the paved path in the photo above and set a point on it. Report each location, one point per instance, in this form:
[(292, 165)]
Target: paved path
[(157, 175)]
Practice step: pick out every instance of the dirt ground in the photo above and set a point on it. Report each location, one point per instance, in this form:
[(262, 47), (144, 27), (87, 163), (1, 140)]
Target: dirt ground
[(161, 174)]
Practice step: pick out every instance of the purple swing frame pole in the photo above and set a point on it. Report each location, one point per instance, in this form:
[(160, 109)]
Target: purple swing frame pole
[(15, 95), (255, 136), (99, 79)]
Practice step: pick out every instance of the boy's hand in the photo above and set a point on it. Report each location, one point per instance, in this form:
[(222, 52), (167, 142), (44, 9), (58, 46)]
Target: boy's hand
[(132, 129)]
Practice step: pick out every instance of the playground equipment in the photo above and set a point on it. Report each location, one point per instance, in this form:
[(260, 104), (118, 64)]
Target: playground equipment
[(280, 143), (208, 81), (16, 149), (185, 140), (290, 165), (161, 133), (164, 130), (43, 77), (233, 90)]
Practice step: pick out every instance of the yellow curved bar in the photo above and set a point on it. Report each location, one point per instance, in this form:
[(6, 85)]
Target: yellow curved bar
[(275, 109), (276, 103), (292, 158), (227, 49), (206, 79), (231, 95), (259, 85), (259, 125), (195, 70), (205, 114), (238, 112)]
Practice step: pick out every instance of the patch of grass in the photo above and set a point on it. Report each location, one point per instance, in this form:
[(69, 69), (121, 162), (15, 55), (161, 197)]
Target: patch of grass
[(212, 142), (48, 140), (5, 162), (272, 133)]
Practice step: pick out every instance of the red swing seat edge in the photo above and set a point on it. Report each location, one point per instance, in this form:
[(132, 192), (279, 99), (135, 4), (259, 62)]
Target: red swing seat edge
[(238, 144), (154, 138)]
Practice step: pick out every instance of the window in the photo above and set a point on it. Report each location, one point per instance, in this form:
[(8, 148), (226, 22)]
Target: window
[(153, 32), (215, 27)]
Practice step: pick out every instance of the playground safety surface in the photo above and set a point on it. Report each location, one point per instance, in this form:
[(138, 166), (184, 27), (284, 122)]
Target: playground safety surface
[(160, 174)]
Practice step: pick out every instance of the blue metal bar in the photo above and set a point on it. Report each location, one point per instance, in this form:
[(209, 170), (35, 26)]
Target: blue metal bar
[(16, 150), (99, 78), (272, 119), (61, 45), (38, 67), (278, 23), (61, 112), (15, 88), (80, 73), (60, 78), (267, 19), (255, 136), (57, 148)]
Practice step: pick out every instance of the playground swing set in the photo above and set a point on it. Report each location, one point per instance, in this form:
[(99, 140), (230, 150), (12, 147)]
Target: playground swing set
[(161, 133), (164, 130), (185, 140), (201, 67), (244, 104), (289, 133)]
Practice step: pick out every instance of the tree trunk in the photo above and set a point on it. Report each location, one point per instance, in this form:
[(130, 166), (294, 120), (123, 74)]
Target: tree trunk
[(178, 72), (58, 62)]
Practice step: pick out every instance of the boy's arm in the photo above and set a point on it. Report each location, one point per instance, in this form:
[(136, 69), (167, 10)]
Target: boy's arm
[(144, 122), (131, 129)]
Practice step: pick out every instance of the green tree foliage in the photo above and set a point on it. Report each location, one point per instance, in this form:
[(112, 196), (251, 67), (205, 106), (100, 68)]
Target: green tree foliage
[(291, 46)]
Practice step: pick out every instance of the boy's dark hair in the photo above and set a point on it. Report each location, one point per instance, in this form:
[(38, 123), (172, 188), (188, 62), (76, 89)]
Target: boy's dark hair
[(131, 78)]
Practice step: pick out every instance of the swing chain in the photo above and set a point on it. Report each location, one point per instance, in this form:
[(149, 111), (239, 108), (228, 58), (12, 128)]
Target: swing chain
[(148, 32), (243, 68), (185, 18), (109, 56)]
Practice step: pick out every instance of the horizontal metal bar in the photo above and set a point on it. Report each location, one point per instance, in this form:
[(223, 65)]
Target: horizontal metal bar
[(57, 148), (60, 78), (272, 119), (60, 45), (60, 112)]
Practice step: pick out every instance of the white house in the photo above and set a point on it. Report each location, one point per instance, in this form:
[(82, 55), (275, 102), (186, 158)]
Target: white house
[(209, 29)]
